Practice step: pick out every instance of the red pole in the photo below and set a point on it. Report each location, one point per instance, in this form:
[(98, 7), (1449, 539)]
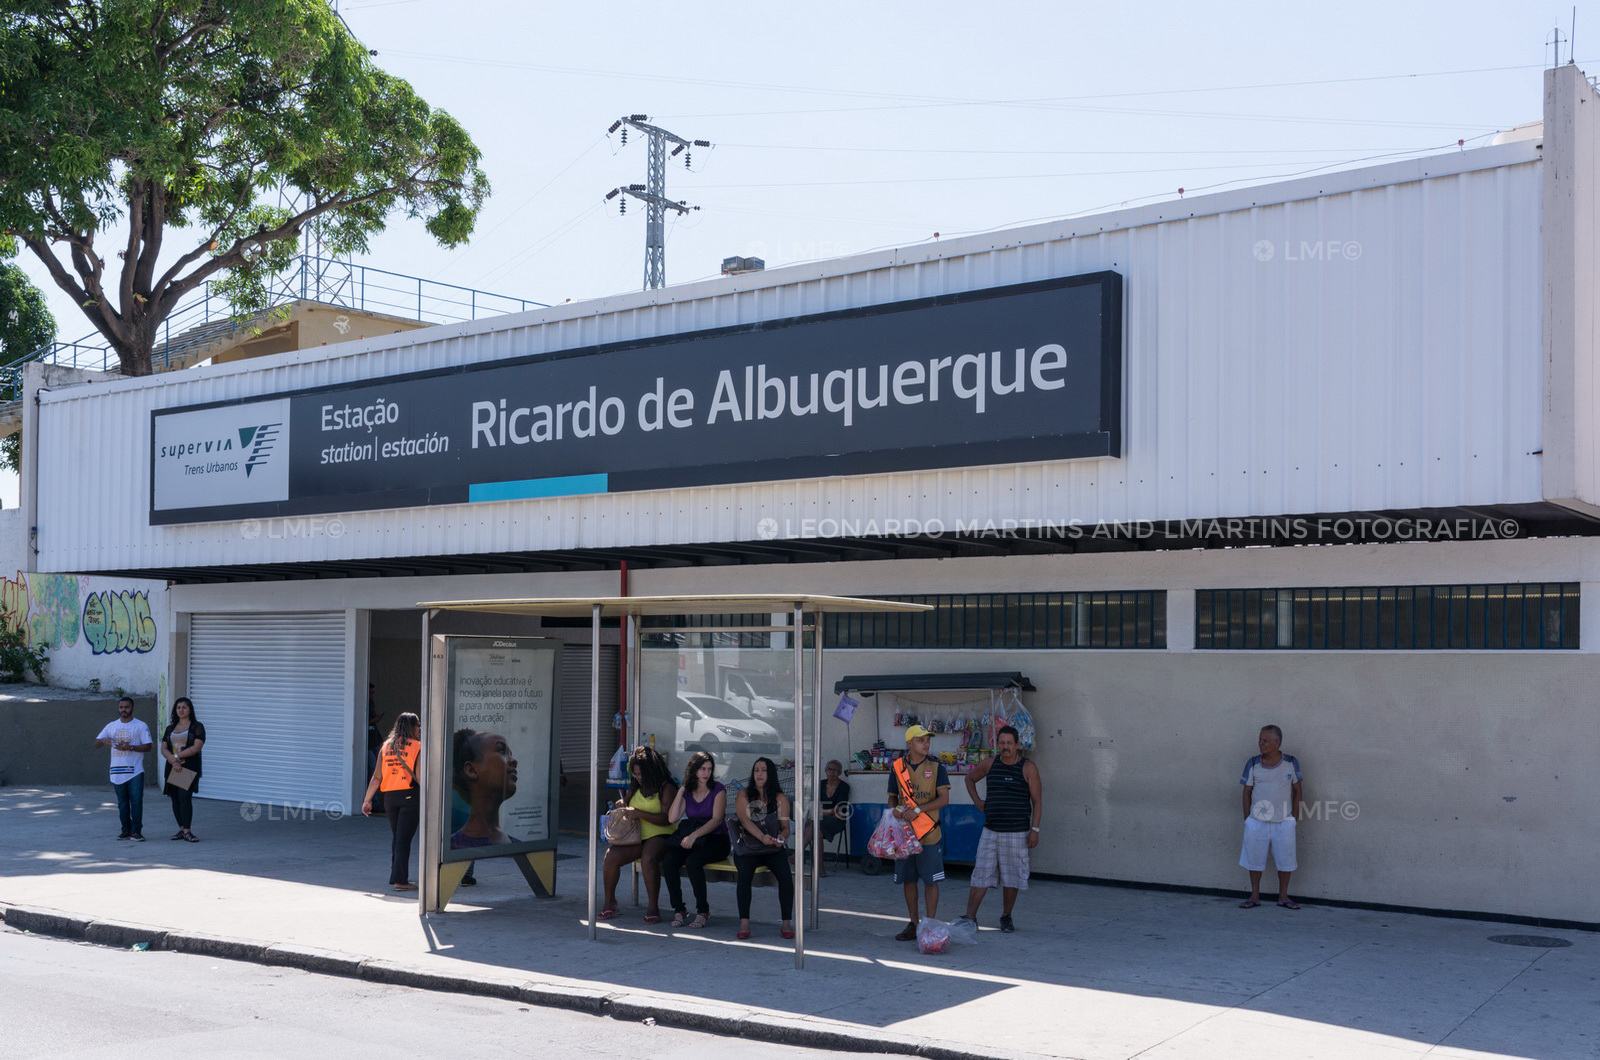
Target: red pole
[(622, 663)]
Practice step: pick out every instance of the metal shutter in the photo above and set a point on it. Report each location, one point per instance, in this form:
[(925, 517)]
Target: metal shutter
[(575, 677), (272, 691)]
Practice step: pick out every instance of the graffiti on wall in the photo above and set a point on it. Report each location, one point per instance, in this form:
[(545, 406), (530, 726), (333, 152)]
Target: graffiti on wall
[(47, 608), (118, 621), (53, 617)]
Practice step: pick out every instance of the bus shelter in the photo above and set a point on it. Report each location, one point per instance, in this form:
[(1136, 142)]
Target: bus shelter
[(676, 632)]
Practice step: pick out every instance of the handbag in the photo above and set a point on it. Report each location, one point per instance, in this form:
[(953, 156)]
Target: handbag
[(620, 831), (181, 778), (746, 845)]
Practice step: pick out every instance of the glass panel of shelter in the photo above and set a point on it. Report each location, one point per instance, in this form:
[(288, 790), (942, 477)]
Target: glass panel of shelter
[(723, 684)]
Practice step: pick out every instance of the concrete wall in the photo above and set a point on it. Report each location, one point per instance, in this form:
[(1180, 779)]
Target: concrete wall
[(1441, 780), (111, 630), (49, 742)]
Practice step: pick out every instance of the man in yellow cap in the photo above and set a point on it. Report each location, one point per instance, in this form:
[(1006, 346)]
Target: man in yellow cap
[(919, 787)]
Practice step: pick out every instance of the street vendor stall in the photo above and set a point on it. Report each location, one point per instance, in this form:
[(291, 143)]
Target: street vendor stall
[(962, 710)]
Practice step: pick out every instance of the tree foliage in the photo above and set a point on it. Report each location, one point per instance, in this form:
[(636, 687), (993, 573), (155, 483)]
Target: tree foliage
[(215, 130), (25, 326)]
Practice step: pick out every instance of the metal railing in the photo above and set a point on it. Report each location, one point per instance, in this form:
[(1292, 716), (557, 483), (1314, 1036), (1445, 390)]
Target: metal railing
[(207, 316)]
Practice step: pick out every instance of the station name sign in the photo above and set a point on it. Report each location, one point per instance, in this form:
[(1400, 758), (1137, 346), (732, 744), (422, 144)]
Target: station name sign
[(1005, 375)]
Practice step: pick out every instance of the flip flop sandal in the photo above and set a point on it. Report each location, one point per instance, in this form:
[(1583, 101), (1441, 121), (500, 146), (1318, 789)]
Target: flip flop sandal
[(190, 837), (1249, 903), (1289, 905), (652, 918), (607, 914)]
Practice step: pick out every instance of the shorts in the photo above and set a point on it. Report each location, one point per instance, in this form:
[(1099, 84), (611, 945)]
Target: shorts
[(1259, 836), (1002, 860), (927, 866)]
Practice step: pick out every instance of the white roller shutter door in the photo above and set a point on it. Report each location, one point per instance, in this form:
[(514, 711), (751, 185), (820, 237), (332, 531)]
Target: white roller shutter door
[(575, 678), (271, 690)]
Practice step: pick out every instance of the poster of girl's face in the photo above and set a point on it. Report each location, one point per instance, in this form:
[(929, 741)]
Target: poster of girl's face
[(501, 702)]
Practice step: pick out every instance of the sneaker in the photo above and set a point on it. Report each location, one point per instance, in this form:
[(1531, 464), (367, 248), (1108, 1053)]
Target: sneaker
[(125, 835), (907, 933), (137, 838), (1006, 924)]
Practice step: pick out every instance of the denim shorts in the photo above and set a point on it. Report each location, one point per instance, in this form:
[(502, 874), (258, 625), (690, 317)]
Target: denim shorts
[(927, 866)]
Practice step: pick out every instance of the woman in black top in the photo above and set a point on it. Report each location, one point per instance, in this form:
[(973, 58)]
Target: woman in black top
[(180, 746), (834, 792)]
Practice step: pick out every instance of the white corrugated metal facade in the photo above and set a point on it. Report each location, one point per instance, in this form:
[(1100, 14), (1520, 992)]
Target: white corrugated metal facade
[(1344, 372)]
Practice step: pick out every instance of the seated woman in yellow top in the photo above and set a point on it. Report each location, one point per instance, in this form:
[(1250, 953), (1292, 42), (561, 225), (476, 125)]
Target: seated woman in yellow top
[(649, 797)]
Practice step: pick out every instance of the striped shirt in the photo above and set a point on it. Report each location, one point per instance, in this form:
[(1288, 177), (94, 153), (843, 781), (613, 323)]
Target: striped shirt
[(1007, 804)]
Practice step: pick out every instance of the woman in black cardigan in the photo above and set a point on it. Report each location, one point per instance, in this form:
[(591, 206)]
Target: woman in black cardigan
[(180, 746)]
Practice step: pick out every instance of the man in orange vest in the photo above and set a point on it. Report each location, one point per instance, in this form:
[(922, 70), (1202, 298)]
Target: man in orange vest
[(919, 787)]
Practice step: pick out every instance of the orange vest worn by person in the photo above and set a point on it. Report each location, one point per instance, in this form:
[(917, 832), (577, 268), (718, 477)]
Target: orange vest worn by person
[(924, 822), (400, 767)]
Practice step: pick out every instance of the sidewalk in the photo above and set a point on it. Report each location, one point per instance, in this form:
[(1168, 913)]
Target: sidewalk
[(1091, 972)]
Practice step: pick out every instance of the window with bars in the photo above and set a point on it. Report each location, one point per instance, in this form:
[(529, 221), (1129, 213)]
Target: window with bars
[(1135, 619), (1529, 617)]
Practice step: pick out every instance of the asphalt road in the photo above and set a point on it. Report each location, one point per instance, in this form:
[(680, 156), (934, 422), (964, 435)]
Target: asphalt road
[(66, 999)]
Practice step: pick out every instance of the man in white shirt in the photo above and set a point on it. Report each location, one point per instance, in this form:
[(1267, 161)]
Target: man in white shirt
[(1271, 782), (129, 740)]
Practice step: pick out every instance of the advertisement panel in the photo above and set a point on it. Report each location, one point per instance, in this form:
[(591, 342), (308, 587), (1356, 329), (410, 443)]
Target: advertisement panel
[(1006, 375), (500, 695)]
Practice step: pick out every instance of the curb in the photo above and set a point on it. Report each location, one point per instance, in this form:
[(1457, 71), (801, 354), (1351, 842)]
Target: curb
[(729, 1020)]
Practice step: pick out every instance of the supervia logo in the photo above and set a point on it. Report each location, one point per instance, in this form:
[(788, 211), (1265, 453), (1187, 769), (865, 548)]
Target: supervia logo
[(259, 441)]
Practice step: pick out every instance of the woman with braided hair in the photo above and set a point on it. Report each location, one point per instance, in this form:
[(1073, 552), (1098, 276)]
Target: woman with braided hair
[(647, 800)]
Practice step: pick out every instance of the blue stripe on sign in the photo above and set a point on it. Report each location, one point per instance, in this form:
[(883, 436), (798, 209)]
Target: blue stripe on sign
[(567, 486)]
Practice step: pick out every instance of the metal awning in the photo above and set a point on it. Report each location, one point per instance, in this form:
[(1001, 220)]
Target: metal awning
[(995, 680), (613, 606), (632, 608)]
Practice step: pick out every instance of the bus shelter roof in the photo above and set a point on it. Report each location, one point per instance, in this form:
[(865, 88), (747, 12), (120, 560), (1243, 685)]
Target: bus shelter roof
[(612, 606)]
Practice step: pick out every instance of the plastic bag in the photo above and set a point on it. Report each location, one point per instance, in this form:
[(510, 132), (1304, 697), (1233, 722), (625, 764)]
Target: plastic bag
[(964, 931), (617, 772), (932, 935), (893, 839), (1021, 720)]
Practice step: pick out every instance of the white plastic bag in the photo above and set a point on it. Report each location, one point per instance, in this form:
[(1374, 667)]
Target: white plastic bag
[(617, 774), (964, 931), (932, 935), (893, 839)]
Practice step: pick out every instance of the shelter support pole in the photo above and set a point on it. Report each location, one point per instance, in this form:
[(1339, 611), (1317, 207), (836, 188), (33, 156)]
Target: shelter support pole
[(802, 797), (594, 760), (432, 760), (817, 619)]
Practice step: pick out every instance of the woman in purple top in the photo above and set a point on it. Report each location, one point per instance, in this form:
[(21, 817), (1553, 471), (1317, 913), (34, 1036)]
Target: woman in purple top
[(698, 809)]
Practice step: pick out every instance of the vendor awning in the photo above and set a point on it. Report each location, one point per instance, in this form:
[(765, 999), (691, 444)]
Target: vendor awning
[(996, 679)]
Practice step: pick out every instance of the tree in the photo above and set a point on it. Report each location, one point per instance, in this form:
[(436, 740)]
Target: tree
[(25, 326), (194, 123)]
